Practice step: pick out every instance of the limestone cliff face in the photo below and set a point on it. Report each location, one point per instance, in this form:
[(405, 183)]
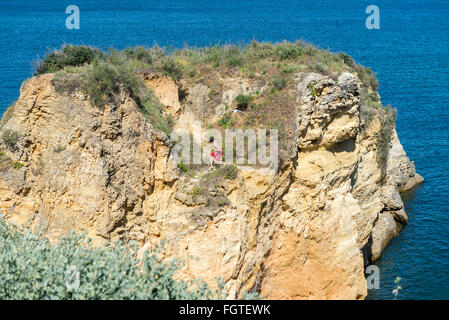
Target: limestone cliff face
[(305, 232)]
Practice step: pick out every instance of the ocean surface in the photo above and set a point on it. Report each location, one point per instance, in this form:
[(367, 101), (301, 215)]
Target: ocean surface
[(410, 54)]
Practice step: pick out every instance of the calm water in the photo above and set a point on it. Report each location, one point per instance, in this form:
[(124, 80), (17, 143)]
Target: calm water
[(410, 53)]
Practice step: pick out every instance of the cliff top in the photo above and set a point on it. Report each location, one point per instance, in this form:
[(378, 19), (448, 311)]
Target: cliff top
[(267, 73)]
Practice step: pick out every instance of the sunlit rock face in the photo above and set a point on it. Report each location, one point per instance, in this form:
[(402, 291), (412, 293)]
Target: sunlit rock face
[(304, 232)]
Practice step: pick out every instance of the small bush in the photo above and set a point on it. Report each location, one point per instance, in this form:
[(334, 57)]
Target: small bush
[(213, 54), (10, 138), (139, 53), (229, 172), (279, 83), (182, 166), (234, 57), (212, 185), (79, 55), (347, 59), (367, 77), (311, 87), (69, 83), (234, 61), (288, 51), (69, 55), (243, 101), (16, 164), (153, 111), (171, 68), (225, 121), (196, 191), (103, 84), (370, 105)]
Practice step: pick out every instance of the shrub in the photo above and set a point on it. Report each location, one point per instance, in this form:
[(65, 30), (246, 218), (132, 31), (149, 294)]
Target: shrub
[(10, 138), (347, 59), (79, 55), (229, 172), (224, 121), (103, 84), (211, 185), (69, 55), (213, 54), (171, 68), (139, 53), (234, 61), (288, 51), (32, 268), (182, 166), (243, 101), (234, 57), (311, 87), (196, 191), (279, 83), (153, 111), (16, 164), (367, 77), (369, 105)]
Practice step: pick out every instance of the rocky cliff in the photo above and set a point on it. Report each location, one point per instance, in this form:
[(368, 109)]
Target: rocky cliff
[(304, 232)]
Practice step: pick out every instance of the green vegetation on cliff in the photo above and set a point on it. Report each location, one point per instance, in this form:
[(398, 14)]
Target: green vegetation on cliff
[(102, 76), (103, 79), (190, 62), (69, 55)]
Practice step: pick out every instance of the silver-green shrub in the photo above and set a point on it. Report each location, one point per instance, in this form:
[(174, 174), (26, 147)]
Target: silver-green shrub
[(32, 268)]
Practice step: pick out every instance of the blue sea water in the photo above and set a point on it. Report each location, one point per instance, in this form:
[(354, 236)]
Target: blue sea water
[(410, 54)]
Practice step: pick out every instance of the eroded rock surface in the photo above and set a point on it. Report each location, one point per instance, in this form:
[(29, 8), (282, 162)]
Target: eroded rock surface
[(305, 232)]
